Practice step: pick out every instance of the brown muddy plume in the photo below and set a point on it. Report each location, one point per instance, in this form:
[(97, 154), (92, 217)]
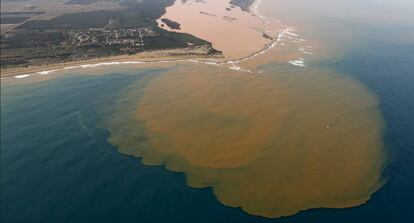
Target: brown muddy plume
[(273, 144)]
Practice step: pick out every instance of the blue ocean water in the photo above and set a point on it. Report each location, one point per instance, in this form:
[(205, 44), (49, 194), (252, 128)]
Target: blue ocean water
[(57, 166)]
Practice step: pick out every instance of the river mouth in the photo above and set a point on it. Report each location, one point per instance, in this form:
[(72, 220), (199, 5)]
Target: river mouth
[(272, 133), (235, 32)]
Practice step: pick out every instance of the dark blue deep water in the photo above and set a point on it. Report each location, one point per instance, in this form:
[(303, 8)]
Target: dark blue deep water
[(57, 166)]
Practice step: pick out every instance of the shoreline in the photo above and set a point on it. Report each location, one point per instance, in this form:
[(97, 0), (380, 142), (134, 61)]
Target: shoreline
[(156, 56), (197, 54)]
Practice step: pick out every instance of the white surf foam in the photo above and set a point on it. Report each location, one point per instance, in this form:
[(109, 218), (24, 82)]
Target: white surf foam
[(299, 62), (284, 34), (287, 33), (47, 72), (305, 50), (22, 76)]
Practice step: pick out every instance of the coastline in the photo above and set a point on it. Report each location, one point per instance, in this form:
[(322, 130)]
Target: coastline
[(300, 82), (190, 54), (165, 55)]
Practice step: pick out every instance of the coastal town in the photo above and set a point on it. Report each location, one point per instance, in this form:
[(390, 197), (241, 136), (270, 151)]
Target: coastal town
[(63, 32), (132, 37)]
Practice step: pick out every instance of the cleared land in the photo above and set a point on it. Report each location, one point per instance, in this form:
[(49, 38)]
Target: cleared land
[(40, 34)]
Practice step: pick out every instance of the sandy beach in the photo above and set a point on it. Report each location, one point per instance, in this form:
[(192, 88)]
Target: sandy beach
[(221, 25), (265, 126), (149, 56)]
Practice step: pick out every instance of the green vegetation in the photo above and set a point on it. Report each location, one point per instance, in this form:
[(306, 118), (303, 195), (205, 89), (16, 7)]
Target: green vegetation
[(171, 24), (13, 20), (85, 35), (17, 17)]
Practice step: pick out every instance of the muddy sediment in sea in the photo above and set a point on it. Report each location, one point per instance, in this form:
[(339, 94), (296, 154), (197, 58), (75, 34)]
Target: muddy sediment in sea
[(273, 144), (268, 128)]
